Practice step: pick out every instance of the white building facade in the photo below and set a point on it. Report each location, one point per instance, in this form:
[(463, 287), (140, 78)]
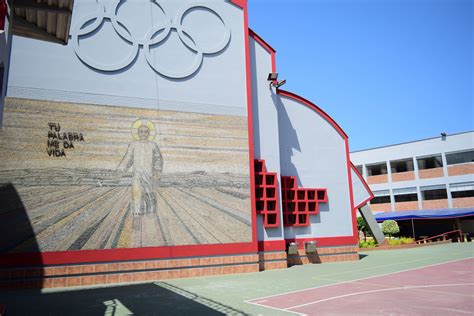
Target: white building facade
[(434, 173)]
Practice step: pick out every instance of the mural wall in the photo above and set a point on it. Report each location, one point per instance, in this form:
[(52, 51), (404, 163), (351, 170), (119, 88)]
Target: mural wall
[(102, 177)]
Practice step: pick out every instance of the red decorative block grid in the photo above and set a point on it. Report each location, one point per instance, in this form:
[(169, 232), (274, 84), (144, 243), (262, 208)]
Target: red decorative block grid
[(300, 203), (266, 194)]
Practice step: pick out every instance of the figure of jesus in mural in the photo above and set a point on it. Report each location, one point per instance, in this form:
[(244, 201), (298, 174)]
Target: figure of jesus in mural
[(144, 157)]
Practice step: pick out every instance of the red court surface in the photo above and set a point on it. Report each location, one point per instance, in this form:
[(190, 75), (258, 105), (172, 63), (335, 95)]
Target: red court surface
[(440, 289)]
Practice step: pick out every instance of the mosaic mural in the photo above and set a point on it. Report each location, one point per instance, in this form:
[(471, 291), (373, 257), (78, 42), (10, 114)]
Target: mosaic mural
[(102, 177)]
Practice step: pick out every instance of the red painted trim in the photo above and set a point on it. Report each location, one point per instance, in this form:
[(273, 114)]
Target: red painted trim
[(240, 3), (261, 41), (87, 256), (327, 241), (272, 245), (355, 231), (314, 107), (371, 194), (250, 123), (125, 254), (267, 47)]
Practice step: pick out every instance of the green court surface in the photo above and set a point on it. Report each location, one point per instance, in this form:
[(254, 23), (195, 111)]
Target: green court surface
[(225, 294)]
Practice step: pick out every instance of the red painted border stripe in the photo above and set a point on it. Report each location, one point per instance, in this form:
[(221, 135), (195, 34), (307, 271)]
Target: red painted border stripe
[(126, 254)]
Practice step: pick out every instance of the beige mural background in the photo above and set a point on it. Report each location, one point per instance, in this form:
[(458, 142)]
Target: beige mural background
[(80, 202)]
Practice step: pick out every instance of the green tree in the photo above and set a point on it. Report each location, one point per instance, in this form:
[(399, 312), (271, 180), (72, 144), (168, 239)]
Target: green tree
[(363, 227), (390, 228)]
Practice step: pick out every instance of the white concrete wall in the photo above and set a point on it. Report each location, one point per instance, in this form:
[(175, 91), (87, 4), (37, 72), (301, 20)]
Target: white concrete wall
[(48, 71), (312, 150), (265, 125)]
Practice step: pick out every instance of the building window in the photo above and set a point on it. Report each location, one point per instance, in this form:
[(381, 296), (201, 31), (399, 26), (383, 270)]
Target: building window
[(430, 162), (437, 192), (359, 169), (402, 165), (405, 195), (458, 158), (462, 190), (377, 169), (381, 197)]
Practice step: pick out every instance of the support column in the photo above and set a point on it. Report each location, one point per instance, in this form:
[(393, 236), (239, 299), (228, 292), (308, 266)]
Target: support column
[(369, 218)]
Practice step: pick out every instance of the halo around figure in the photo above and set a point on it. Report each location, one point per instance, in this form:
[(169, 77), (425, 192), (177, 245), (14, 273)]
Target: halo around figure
[(143, 122)]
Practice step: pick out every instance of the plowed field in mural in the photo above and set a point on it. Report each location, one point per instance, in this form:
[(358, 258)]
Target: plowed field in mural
[(97, 177)]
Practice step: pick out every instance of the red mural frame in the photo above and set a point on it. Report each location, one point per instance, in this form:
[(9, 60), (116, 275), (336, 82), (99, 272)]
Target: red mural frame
[(126, 254), (321, 241)]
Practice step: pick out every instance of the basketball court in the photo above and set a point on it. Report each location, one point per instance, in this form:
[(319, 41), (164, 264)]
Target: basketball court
[(445, 288)]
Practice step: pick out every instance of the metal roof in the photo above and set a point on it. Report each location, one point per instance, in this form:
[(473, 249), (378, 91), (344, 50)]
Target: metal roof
[(47, 20), (425, 214)]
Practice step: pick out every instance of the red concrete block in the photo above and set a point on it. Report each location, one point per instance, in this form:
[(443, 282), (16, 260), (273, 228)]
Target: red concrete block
[(74, 270), (209, 271), (150, 265), (138, 265), (228, 270), (216, 271), (71, 281), (100, 279), (184, 273), (229, 260), (195, 262), (113, 267), (47, 283), (161, 264), (113, 278), (238, 269), (101, 268), (88, 268), (206, 261), (126, 266), (196, 272), (60, 282), (173, 274), (87, 280), (126, 277), (216, 260), (139, 276), (161, 275)]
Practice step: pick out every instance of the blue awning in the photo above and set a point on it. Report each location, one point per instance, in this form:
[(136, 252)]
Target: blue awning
[(425, 214)]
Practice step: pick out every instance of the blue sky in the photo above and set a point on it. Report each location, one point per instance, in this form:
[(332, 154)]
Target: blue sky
[(387, 71)]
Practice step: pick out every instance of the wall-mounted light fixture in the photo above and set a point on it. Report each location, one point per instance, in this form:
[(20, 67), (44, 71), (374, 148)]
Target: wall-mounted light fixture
[(273, 78)]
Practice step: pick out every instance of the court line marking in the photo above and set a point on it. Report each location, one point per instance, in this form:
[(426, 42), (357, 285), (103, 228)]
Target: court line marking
[(342, 282), (276, 308), (376, 291), (386, 265)]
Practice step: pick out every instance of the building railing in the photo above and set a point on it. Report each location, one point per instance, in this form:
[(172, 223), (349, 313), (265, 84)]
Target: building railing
[(425, 239)]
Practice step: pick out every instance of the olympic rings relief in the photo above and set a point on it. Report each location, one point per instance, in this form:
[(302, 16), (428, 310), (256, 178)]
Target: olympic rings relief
[(90, 23)]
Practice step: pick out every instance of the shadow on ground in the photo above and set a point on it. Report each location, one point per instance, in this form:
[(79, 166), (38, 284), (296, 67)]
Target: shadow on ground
[(142, 299)]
